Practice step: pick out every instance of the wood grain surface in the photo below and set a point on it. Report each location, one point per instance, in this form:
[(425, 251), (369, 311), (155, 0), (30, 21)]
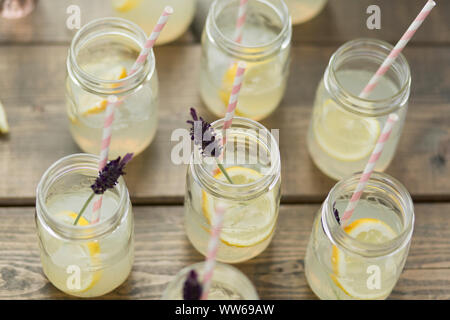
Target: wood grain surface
[(39, 134), (162, 249)]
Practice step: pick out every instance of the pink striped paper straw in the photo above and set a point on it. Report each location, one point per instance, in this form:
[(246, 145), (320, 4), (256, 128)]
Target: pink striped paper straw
[(242, 15), (213, 246), (376, 153), (401, 44), (104, 150), (232, 103), (152, 39)]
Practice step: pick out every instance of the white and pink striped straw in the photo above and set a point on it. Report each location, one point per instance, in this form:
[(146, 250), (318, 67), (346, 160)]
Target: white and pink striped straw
[(232, 103), (401, 44), (152, 39), (217, 222), (376, 153), (242, 15), (213, 246), (104, 150)]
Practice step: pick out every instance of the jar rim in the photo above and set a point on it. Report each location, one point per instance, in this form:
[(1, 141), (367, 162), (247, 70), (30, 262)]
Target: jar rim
[(199, 267), (98, 85), (62, 167), (343, 240), (237, 48), (251, 190), (367, 105)]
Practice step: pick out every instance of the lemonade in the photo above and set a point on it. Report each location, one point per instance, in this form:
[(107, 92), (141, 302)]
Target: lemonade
[(228, 283), (265, 48), (251, 203), (304, 10), (86, 260), (364, 260), (101, 55), (147, 12), (344, 129)]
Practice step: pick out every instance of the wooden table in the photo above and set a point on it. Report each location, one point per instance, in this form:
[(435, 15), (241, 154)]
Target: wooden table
[(32, 71)]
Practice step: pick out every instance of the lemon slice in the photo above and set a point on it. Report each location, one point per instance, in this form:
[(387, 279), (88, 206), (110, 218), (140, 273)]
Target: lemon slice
[(125, 5), (346, 268), (4, 128), (257, 75), (247, 223), (345, 136), (91, 249), (90, 104)]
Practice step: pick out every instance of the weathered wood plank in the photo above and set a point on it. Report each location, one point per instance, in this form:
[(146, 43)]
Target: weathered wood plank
[(162, 249), (344, 20), (47, 23), (32, 91)]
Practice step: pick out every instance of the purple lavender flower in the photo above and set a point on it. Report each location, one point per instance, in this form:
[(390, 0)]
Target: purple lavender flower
[(107, 178), (204, 136), (192, 289), (336, 213)]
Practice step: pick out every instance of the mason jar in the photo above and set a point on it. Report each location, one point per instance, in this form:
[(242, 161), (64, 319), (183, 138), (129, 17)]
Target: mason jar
[(147, 12), (251, 203), (364, 259), (304, 10), (84, 260), (228, 283), (265, 48), (344, 128), (99, 60)]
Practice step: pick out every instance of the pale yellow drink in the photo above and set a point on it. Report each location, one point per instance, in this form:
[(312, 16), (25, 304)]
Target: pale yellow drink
[(344, 128), (228, 283), (251, 203), (101, 56), (86, 260), (304, 10), (146, 13), (341, 142), (265, 49), (364, 260)]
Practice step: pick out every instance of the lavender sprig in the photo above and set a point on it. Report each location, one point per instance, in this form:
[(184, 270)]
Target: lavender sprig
[(336, 213), (204, 136), (192, 289), (107, 179)]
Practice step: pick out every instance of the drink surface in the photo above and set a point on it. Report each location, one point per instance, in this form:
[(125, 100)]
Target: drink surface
[(304, 10), (248, 225), (146, 13), (102, 264), (264, 81), (334, 273), (341, 141), (135, 124)]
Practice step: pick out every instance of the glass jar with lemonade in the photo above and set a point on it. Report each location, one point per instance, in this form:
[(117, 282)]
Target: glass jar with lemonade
[(364, 259), (84, 260), (265, 47), (344, 128), (251, 203), (100, 56), (146, 13)]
